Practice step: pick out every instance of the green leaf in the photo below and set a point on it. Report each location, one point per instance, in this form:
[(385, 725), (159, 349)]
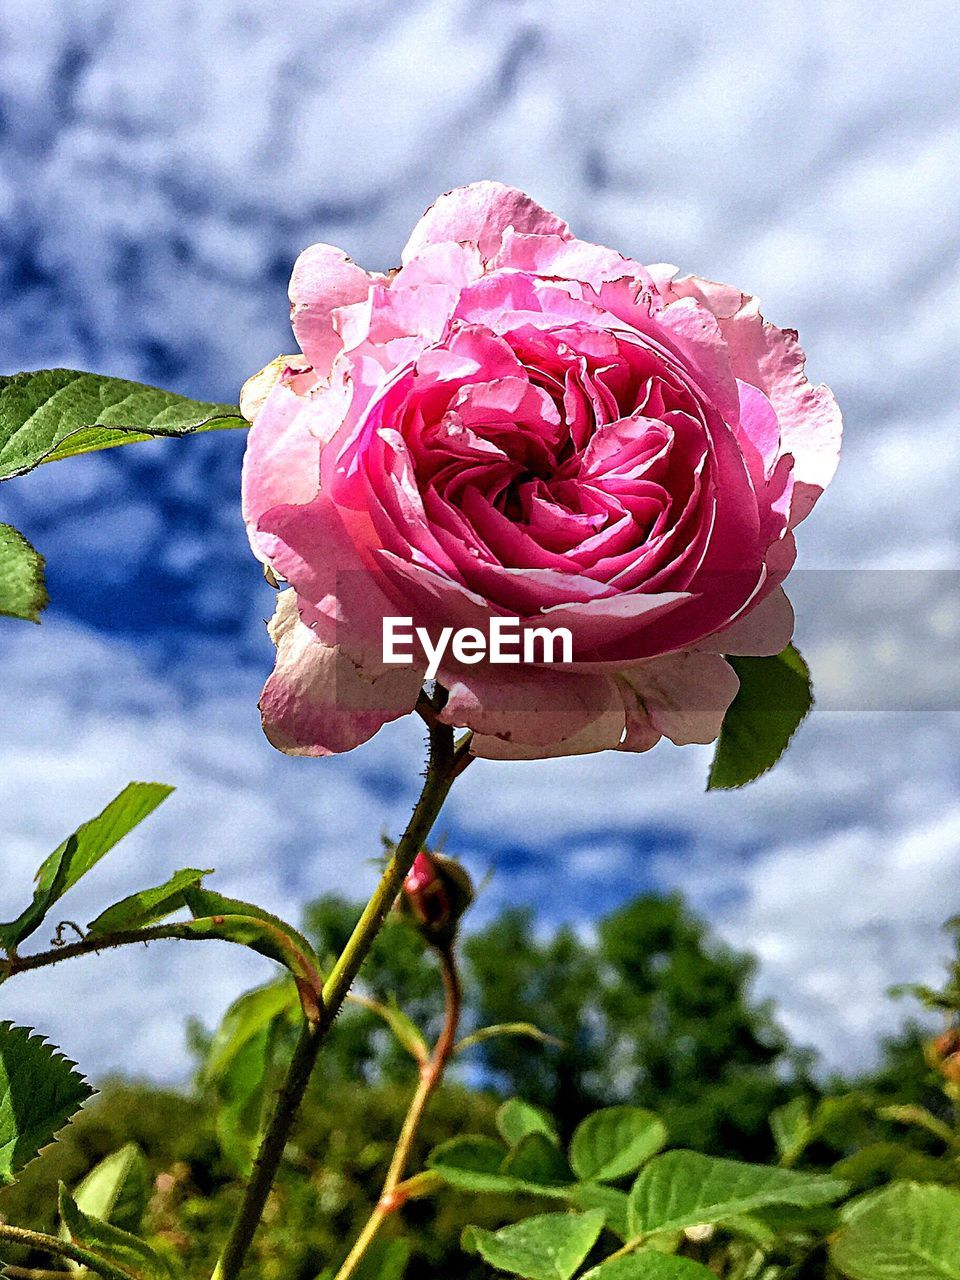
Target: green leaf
[(119, 1250), (81, 851), (792, 1128), (248, 1016), (775, 695), (251, 926), (147, 906), (685, 1189), (536, 1158), (889, 1161), (614, 1142), (516, 1118), (549, 1247), (649, 1266), (470, 1162), (406, 1032), (907, 1231), (614, 1203), (117, 1189), (242, 1092), (39, 1092), (56, 413), (475, 1163), (524, 1030), (23, 593)]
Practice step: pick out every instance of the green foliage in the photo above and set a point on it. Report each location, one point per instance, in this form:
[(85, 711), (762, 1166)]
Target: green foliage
[(23, 592), (685, 1189), (110, 1250), (116, 1190), (81, 851), (649, 1266), (615, 1142), (653, 1013), (475, 1163), (906, 1232), (516, 1119), (56, 413), (549, 1247), (40, 1090), (774, 697), (250, 926), (148, 905), (239, 1067)]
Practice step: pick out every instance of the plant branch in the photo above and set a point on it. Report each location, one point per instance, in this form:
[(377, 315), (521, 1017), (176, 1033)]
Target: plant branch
[(395, 1192), (445, 762), (58, 1249), (15, 964)]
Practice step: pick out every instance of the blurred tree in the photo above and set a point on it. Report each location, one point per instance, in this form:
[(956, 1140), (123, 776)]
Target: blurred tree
[(652, 1011)]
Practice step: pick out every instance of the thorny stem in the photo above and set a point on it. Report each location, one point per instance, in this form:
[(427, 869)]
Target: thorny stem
[(57, 1249), (393, 1196), (446, 761)]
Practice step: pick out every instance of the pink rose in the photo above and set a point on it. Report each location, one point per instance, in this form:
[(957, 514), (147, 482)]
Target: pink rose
[(517, 423)]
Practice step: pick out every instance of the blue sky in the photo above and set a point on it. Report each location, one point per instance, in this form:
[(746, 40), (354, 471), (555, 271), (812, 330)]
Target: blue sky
[(159, 170)]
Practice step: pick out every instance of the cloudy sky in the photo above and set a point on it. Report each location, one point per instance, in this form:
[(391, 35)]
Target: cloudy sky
[(161, 166)]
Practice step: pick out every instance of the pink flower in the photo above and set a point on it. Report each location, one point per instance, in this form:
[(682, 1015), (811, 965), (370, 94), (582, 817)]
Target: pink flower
[(520, 424)]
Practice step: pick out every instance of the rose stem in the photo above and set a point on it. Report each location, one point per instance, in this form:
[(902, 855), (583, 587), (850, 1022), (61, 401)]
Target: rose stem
[(392, 1196), (445, 762)]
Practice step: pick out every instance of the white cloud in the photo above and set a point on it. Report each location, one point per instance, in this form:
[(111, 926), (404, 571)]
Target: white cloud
[(162, 167)]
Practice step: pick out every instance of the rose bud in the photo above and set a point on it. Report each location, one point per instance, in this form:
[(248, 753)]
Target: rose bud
[(943, 1054), (436, 893)]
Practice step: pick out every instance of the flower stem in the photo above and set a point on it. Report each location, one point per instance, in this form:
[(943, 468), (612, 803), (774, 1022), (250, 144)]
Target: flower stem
[(446, 761), (392, 1196)]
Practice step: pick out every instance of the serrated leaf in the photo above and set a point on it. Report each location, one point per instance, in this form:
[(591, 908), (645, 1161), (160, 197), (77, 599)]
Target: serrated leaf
[(615, 1142), (523, 1030), (516, 1119), (774, 697), (57, 413), (148, 905), (907, 1231), (649, 1266), (405, 1031), (23, 592), (248, 1016), (117, 1189), (548, 1247), (251, 926), (120, 1250), (685, 1189), (614, 1204), (81, 851), (40, 1090)]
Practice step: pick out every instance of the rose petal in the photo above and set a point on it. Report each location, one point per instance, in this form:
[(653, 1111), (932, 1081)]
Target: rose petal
[(318, 701), (480, 213), (323, 279), (534, 714), (772, 360), (760, 633), (681, 696)]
